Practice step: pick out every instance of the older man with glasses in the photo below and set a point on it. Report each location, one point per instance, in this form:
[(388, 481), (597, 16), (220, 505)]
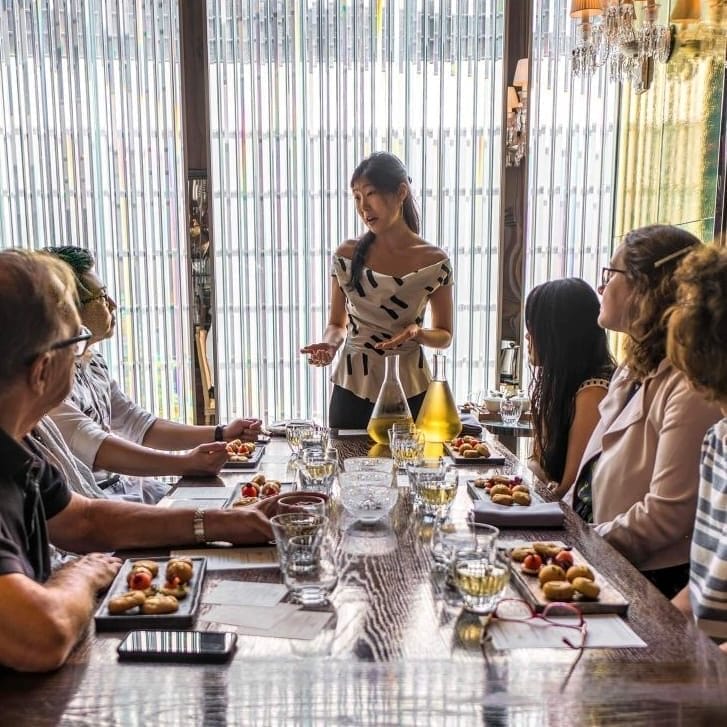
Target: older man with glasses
[(111, 434), (42, 614)]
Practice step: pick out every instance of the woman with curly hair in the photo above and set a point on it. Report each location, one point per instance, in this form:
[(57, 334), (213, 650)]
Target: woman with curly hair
[(696, 345), (572, 368), (639, 475)]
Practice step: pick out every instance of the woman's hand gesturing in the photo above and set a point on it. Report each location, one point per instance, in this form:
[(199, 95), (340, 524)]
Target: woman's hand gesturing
[(410, 332), (320, 354)]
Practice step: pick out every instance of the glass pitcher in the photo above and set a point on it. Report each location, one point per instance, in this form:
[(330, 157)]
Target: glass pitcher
[(391, 405), (438, 418)]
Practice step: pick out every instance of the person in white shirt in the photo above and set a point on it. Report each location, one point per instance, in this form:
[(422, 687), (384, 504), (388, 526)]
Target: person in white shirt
[(111, 434)]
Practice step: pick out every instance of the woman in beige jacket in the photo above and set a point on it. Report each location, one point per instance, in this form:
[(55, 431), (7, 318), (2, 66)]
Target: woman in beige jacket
[(639, 475)]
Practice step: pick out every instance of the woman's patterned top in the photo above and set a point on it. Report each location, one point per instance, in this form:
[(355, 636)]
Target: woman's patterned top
[(378, 308)]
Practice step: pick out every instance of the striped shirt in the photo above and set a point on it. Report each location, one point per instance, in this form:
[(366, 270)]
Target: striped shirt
[(708, 576)]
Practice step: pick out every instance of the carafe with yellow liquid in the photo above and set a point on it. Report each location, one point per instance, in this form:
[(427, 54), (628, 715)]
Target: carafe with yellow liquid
[(391, 405), (438, 418)]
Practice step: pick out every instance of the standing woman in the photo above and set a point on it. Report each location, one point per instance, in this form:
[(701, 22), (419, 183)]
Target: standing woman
[(383, 284), (639, 475), (572, 365)]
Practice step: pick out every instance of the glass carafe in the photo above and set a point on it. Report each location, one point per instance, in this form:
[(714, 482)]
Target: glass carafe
[(438, 418), (391, 405)]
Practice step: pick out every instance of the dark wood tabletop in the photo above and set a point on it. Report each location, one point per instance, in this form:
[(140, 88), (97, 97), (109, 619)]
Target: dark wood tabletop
[(395, 652)]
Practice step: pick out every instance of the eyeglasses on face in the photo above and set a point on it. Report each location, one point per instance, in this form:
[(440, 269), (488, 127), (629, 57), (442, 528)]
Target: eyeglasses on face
[(608, 273), (101, 295), (79, 342), (556, 614)]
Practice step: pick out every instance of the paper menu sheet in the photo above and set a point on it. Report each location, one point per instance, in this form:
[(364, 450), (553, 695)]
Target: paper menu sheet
[(245, 593), (233, 558), (289, 621), (604, 631)]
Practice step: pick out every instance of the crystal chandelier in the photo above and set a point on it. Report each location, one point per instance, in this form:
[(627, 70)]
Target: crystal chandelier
[(609, 33), (516, 133)]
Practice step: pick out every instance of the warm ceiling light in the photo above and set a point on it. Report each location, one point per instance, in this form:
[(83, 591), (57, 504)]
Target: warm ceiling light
[(585, 8)]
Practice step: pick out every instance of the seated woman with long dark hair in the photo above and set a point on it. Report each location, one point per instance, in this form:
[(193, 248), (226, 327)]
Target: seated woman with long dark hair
[(572, 367)]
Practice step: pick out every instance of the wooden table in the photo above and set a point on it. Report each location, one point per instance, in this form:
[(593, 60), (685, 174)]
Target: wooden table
[(395, 653)]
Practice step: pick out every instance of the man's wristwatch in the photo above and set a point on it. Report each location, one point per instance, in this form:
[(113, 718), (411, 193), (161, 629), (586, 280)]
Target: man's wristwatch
[(220, 433), (198, 523)]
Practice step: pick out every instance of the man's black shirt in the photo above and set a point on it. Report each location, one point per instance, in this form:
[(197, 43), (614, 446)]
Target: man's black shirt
[(31, 492)]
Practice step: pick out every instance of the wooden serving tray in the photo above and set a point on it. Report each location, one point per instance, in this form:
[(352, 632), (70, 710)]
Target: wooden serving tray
[(458, 459), (610, 600), (182, 618), (249, 464)]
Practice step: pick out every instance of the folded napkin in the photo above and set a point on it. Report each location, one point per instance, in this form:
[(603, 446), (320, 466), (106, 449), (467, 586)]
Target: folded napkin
[(470, 425), (541, 514)]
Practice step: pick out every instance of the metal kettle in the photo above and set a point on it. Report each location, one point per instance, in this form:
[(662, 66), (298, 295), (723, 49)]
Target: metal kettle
[(509, 362)]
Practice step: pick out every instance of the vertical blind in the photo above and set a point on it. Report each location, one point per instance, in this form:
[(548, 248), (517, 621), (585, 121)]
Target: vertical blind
[(299, 94), (571, 156), (91, 155)]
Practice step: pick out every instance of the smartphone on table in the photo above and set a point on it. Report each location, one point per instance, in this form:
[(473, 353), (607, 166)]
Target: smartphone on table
[(188, 647)]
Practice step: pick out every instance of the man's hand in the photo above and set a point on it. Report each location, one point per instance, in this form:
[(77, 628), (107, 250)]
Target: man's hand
[(247, 430), (251, 526), (205, 460), (411, 331), (320, 354), (98, 568)]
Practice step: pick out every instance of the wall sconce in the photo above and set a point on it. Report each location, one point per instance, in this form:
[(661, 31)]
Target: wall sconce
[(516, 134), (609, 32)]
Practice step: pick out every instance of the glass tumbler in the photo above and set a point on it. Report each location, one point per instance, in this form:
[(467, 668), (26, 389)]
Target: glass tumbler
[(407, 447), (481, 577), (317, 471), (310, 526), (302, 502), (510, 411), (435, 490), (310, 572)]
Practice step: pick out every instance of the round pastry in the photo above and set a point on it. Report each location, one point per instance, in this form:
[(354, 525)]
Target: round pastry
[(521, 488), (244, 501), (547, 550), (519, 554), (500, 490), (558, 591), (258, 479), (181, 569), (139, 578), (126, 601), (470, 453), (521, 498), (502, 499), (480, 482), (179, 591), (579, 571), (550, 573), (588, 589), (483, 450), (151, 565), (160, 604)]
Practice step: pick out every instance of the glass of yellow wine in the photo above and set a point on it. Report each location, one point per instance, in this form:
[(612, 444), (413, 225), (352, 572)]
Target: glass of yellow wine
[(481, 577)]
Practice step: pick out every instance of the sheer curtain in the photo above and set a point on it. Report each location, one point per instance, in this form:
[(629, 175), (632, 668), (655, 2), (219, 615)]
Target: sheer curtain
[(91, 155), (299, 94)]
